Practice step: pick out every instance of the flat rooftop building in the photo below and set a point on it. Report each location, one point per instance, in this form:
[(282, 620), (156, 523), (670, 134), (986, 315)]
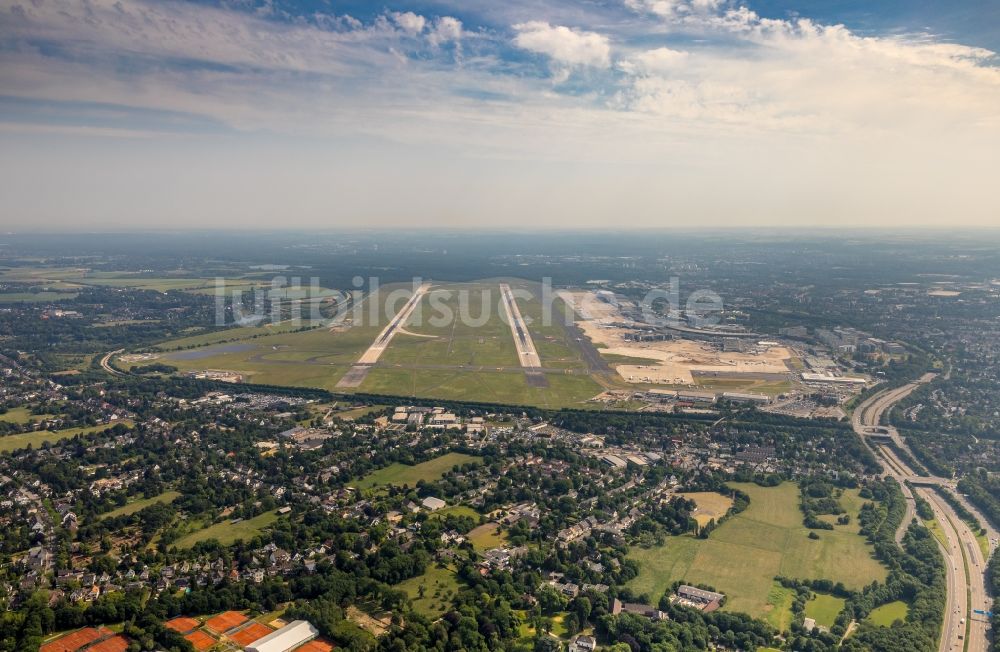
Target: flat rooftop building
[(285, 639)]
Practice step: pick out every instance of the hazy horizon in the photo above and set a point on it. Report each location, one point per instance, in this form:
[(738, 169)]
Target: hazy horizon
[(520, 115)]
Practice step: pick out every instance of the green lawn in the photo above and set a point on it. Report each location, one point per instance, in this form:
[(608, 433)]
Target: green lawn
[(136, 505), (527, 632), (457, 510), (887, 614), (744, 555), (824, 608), (403, 474), (22, 414), (35, 297), (779, 607), (228, 532), (36, 439), (439, 586), (486, 536), (457, 360)]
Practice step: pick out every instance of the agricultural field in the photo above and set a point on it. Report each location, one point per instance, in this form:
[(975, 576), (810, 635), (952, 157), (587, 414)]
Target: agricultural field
[(137, 505), (887, 614), (37, 439), (470, 356), (404, 474), (228, 532), (743, 556), (431, 592), (824, 609)]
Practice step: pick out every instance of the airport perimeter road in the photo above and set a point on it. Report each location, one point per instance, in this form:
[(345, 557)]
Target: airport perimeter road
[(526, 352), (964, 562)]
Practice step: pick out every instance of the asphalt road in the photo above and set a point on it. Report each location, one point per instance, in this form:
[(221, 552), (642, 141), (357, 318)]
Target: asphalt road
[(964, 561)]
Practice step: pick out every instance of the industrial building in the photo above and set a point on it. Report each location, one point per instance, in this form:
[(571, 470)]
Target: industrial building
[(285, 639), (433, 504), (827, 378), (739, 397)]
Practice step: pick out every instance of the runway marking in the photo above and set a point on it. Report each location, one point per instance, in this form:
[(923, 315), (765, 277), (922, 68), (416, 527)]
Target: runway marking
[(525, 346), (357, 373)]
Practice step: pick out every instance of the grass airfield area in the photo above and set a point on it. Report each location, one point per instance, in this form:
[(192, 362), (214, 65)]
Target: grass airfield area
[(743, 556), (447, 349)]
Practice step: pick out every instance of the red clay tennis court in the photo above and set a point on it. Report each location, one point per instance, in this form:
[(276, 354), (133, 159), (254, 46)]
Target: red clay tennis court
[(200, 640), (113, 644), (250, 633), (315, 645), (182, 624), (225, 621), (76, 640)]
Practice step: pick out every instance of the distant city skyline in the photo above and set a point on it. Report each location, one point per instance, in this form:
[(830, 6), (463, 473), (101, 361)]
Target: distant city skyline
[(522, 114)]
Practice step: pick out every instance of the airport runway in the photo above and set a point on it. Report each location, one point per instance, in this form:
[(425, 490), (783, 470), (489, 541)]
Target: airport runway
[(526, 352), (357, 373)]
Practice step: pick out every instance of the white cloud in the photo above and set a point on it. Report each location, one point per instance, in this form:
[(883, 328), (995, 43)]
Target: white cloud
[(446, 29), (658, 61), (771, 109), (563, 44), (409, 22)]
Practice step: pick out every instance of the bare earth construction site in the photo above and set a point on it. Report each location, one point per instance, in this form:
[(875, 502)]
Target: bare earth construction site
[(646, 355)]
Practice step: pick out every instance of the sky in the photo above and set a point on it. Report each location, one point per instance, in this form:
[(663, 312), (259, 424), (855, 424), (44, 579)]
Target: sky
[(265, 114)]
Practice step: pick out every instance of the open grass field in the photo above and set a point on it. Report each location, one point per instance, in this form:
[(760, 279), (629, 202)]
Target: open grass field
[(470, 355), (439, 585), (35, 297), (22, 415), (887, 614), (779, 613), (227, 532), (527, 631), (37, 439), (403, 474), (742, 557), (824, 608), (486, 536), (137, 505), (457, 510), (711, 505)]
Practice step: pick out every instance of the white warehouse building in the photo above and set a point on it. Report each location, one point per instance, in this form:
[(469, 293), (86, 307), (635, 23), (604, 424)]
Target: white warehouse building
[(287, 638)]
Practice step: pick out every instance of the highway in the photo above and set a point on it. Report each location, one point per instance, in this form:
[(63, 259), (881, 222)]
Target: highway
[(964, 562), (106, 363)]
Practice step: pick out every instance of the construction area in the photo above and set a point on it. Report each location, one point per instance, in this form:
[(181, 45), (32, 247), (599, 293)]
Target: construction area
[(643, 356)]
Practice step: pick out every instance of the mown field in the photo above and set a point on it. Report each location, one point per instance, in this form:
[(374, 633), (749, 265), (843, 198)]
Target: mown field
[(455, 346), (22, 415), (742, 557), (137, 505), (431, 592), (824, 609), (403, 474), (486, 536), (711, 505), (887, 614), (228, 532), (37, 439)]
